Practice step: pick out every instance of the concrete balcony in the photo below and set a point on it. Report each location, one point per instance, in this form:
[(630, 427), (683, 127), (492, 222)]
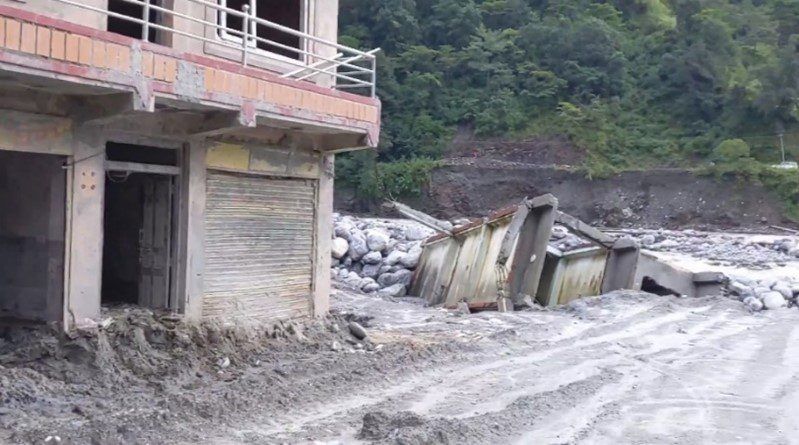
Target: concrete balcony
[(87, 74)]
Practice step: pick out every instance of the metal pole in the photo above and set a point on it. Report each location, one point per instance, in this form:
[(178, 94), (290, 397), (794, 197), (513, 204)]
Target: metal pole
[(146, 26), (245, 38), (374, 76), (782, 147)]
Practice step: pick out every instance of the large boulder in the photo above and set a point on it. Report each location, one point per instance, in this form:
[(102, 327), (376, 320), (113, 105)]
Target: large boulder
[(395, 291), (753, 304), (371, 270), (784, 289), (411, 258), (377, 239), (339, 247), (372, 258), (369, 285), (417, 233), (393, 257), (354, 280), (773, 300), (387, 279), (343, 228), (358, 247), (404, 276)]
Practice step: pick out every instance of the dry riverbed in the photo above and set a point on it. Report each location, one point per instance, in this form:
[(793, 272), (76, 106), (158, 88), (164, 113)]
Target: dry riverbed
[(623, 368)]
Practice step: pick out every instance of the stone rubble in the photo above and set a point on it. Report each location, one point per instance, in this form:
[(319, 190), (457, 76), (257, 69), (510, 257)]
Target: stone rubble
[(721, 249), (770, 294), (376, 256)]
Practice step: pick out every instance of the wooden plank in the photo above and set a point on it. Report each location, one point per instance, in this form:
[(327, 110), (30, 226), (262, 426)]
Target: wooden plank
[(135, 167)]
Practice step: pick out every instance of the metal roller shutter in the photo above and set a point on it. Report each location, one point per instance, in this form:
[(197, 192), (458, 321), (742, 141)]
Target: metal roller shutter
[(258, 247)]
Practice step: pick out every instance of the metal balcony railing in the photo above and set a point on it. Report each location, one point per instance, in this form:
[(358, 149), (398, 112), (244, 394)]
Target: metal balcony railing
[(316, 58)]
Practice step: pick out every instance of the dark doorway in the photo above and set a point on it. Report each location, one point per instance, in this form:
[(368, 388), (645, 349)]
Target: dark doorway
[(137, 248), (139, 225), (32, 232)]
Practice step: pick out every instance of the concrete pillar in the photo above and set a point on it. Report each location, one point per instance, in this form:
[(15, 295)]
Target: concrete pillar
[(621, 265), (192, 228), (531, 248), (324, 233), (85, 222)]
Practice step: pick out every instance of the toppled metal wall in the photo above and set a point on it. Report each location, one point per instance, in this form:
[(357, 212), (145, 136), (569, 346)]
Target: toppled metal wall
[(506, 258), (571, 275), (476, 260)]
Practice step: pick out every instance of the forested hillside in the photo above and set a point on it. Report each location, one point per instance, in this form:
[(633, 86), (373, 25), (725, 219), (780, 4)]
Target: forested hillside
[(634, 83)]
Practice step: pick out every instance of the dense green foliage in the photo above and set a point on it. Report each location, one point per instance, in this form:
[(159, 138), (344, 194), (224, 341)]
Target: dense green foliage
[(635, 83)]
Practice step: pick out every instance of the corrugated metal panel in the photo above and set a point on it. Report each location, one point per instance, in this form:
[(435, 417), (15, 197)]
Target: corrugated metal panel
[(258, 247)]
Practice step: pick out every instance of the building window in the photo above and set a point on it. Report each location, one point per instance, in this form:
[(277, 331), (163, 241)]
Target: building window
[(288, 13), (131, 28)]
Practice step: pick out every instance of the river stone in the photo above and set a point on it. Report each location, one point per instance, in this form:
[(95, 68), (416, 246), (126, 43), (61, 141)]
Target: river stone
[(339, 248), (393, 257), (377, 240), (404, 276), (753, 304), (369, 285), (357, 330), (738, 288), (416, 233), (358, 246), (784, 289), (411, 259), (371, 270), (387, 279), (396, 291), (773, 300), (372, 258)]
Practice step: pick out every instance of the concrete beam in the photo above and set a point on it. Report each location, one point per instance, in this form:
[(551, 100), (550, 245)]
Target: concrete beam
[(621, 265), (678, 279), (219, 123), (531, 248), (105, 108), (586, 230)]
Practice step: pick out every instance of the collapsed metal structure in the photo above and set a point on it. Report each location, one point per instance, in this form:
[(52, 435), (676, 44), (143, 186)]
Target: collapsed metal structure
[(506, 259)]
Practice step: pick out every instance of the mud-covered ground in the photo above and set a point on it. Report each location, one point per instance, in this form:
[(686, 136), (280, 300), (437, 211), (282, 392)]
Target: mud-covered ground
[(622, 368)]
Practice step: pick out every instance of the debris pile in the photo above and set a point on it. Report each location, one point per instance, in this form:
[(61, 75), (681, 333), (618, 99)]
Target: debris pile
[(376, 256), (770, 294), (721, 249)]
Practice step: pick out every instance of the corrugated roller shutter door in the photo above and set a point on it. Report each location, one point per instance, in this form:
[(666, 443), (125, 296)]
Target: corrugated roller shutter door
[(258, 247)]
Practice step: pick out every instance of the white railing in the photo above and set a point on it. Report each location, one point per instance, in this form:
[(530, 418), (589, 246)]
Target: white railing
[(316, 58)]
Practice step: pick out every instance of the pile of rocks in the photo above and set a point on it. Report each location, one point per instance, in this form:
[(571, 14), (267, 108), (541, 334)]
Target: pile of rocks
[(377, 256), (764, 294), (722, 249)]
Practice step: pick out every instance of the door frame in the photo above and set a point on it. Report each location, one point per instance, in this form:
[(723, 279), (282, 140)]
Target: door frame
[(176, 254)]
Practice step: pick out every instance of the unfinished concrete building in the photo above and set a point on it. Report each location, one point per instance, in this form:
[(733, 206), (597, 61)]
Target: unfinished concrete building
[(176, 155)]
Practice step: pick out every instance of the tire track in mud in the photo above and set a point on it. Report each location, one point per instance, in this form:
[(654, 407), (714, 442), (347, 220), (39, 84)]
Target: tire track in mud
[(714, 376), (486, 388)]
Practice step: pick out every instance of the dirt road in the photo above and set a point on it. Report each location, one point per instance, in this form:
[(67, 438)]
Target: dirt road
[(623, 368), (626, 368)]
